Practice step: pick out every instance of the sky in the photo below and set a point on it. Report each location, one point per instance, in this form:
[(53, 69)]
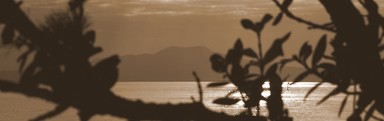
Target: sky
[(132, 27)]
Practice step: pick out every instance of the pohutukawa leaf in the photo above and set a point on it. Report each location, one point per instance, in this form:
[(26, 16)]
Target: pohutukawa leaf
[(218, 63), (343, 105), (278, 19), (249, 52), (247, 24), (319, 50), (326, 66), (276, 49), (226, 101), (305, 51), (238, 45), (312, 89), (334, 92), (217, 84), (230, 57), (259, 26), (266, 18), (370, 111)]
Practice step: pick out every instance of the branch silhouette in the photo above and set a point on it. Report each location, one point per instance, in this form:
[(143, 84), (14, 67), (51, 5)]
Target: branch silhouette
[(133, 110), (284, 9)]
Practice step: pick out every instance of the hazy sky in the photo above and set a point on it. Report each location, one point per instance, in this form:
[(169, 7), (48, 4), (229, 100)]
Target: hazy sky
[(147, 26)]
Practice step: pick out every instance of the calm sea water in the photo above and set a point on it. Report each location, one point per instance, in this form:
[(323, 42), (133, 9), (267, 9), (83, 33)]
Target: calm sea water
[(15, 107)]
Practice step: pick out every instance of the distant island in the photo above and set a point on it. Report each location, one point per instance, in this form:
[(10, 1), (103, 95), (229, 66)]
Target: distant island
[(169, 64)]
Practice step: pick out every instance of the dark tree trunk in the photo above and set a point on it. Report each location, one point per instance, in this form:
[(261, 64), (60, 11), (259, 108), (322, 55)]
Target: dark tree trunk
[(356, 48)]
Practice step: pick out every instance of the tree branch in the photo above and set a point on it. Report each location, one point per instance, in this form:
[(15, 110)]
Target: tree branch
[(124, 108), (301, 20)]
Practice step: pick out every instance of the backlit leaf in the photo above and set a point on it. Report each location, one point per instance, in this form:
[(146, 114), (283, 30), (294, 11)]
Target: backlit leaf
[(278, 19), (312, 89), (217, 84), (343, 103), (369, 113), (319, 50), (247, 24), (266, 18), (258, 27), (276, 49), (305, 51), (334, 92), (249, 52), (226, 101), (238, 45), (326, 66), (218, 63)]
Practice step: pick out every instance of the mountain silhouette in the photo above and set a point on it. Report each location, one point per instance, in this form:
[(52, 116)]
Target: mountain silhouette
[(170, 64), (176, 64)]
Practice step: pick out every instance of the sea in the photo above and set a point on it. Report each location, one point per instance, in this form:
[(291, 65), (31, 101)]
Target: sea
[(16, 107)]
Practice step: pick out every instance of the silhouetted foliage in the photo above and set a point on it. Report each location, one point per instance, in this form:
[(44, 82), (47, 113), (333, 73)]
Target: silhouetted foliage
[(248, 82), (356, 57), (60, 49)]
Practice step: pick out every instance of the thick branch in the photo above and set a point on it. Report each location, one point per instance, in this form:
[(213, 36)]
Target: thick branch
[(301, 20), (121, 107)]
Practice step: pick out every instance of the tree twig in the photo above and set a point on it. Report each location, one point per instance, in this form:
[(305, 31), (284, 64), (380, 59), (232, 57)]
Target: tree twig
[(301, 20)]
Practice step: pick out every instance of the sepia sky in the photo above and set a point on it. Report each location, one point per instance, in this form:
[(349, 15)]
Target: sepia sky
[(148, 26)]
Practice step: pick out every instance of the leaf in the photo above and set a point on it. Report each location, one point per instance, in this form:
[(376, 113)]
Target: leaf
[(343, 105), (320, 49), (226, 101), (217, 84), (238, 45), (284, 62), (278, 19), (218, 63), (249, 52), (258, 27), (312, 89), (305, 51), (230, 56), (90, 36), (276, 48), (326, 66), (329, 57), (334, 92), (302, 76), (8, 34), (369, 112), (266, 18), (247, 24), (286, 3)]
